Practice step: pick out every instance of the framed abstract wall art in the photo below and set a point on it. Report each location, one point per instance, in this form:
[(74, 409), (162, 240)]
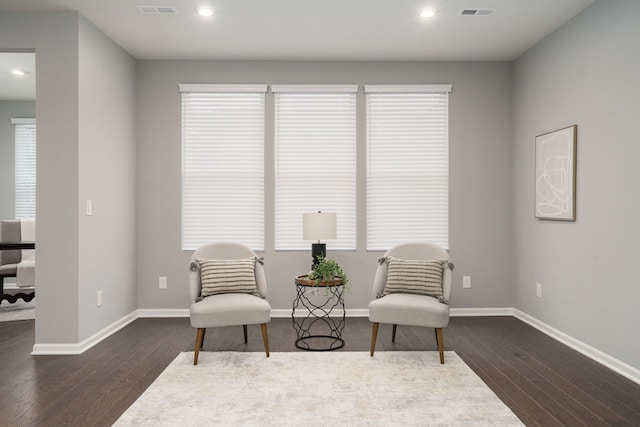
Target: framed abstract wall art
[(555, 179)]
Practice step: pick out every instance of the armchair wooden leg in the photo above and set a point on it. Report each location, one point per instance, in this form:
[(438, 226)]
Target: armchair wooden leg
[(199, 340), (393, 333), (204, 333), (265, 338), (244, 329), (374, 335), (440, 344)]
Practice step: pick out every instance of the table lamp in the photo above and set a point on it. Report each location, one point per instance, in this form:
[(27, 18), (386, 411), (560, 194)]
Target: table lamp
[(319, 226)]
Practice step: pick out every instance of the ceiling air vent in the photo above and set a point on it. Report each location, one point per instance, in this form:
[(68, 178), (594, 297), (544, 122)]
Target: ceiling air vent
[(157, 10), (477, 12)]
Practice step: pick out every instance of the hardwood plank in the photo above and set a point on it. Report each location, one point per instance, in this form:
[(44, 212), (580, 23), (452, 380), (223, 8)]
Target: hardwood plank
[(543, 370), (468, 346)]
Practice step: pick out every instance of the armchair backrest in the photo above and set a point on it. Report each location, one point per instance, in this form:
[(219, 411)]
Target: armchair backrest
[(224, 250), (10, 232), (413, 250)]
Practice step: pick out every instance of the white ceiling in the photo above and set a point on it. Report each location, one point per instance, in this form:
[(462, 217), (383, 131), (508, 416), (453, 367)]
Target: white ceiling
[(358, 30)]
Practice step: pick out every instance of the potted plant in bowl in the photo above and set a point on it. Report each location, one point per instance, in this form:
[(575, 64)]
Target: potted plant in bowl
[(328, 271)]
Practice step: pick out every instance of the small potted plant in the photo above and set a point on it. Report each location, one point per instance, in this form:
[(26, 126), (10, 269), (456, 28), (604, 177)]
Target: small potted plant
[(328, 270)]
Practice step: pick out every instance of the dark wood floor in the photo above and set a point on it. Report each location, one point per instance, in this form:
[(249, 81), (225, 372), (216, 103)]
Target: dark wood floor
[(544, 382)]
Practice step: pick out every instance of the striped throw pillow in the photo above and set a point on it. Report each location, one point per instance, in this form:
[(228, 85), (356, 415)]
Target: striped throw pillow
[(218, 276), (423, 277)]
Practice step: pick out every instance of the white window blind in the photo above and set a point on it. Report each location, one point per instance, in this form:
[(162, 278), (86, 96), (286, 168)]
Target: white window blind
[(407, 165), (223, 164), (315, 161), (25, 168)]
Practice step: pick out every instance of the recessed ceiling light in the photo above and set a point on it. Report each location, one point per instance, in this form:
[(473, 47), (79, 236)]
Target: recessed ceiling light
[(18, 72), (205, 11), (428, 13)]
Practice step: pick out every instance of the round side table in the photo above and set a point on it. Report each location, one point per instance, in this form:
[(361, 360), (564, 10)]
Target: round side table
[(317, 314)]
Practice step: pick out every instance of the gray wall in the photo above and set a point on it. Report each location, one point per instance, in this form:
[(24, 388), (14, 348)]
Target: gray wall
[(586, 73), (55, 38), (69, 91), (106, 164), (9, 110), (480, 185)]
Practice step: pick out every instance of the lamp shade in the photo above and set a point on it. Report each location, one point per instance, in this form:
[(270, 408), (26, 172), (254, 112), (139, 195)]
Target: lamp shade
[(319, 226)]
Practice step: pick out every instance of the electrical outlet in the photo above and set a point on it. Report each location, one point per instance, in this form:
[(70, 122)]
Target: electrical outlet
[(162, 282), (466, 282), (538, 290), (99, 299)]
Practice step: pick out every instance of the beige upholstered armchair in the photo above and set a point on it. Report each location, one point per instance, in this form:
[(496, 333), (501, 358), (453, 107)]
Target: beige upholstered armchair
[(412, 287), (228, 287)]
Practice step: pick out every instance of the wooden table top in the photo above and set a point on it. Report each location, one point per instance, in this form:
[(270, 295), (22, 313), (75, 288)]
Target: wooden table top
[(305, 281)]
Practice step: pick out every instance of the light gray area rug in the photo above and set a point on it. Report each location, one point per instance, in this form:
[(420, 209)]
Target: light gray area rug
[(318, 389), (19, 310)]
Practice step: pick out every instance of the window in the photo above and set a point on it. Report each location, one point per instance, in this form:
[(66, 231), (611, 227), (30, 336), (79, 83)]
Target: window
[(25, 168), (407, 165), (315, 161), (223, 164)]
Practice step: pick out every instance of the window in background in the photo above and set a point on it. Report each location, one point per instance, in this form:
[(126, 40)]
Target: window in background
[(407, 164), (315, 161), (25, 192), (223, 164)]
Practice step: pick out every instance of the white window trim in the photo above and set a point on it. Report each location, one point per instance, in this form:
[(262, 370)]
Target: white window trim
[(348, 88), (445, 88), (23, 121), (223, 88)]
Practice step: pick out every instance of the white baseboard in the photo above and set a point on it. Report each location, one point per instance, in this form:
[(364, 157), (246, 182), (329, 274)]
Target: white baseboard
[(610, 362), (350, 312), (162, 312), (81, 347), (364, 312), (479, 312), (275, 313)]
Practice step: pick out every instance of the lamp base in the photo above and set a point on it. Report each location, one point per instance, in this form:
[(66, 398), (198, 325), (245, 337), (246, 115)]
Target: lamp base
[(318, 250)]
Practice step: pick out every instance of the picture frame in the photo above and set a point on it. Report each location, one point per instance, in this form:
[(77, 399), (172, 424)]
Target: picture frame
[(555, 174)]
